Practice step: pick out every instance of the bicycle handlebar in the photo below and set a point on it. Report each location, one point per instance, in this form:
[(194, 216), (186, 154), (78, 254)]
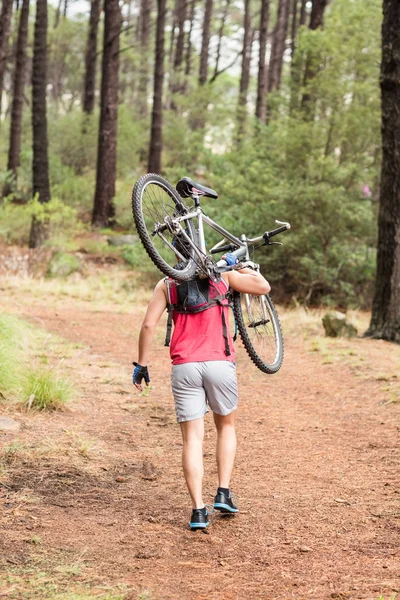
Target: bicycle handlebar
[(269, 234)]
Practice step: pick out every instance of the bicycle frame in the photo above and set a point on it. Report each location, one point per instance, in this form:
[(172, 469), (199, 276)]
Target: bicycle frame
[(241, 252)]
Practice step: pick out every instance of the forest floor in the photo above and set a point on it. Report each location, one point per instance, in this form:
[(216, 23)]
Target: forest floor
[(92, 498)]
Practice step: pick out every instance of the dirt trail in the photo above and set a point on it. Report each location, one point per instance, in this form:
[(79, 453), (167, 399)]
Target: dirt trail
[(316, 475)]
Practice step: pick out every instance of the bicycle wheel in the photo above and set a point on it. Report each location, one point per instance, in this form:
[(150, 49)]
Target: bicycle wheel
[(154, 202), (260, 330)]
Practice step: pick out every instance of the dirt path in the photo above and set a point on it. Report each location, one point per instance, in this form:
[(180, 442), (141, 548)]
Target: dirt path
[(98, 488)]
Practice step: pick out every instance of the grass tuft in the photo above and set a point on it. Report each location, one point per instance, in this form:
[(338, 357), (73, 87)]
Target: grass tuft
[(44, 389)]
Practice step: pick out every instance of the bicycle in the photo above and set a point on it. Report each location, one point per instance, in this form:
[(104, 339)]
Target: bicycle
[(169, 229)]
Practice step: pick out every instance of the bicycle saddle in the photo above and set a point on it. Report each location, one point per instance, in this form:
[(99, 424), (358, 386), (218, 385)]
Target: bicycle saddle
[(186, 187)]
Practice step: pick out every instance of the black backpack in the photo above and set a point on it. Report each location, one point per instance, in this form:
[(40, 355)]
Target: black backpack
[(193, 297)]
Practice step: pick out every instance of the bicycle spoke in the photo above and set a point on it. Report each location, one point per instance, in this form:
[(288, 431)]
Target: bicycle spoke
[(259, 327)]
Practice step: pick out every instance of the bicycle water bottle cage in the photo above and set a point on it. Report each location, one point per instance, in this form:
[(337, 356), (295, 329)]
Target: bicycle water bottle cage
[(187, 187)]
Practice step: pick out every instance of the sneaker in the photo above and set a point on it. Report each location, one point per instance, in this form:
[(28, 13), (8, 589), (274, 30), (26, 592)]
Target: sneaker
[(224, 503), (199, 519)]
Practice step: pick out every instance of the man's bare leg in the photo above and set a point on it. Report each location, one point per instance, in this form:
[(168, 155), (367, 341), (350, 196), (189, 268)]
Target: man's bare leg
[(192, 459), (226, 447)]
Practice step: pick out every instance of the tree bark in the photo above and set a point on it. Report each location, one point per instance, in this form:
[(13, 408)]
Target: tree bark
[(303, 13), (245, 73), (316, 21), (5, 22), (177, 83), (144, 37), (206, 42), (188, 58), (220, 36), (89, 88), (103, 209), (155, 150), (294, 29), (385, 320), (278, 46), (261, 103), (41, 185), (317, 14), (18, 95)]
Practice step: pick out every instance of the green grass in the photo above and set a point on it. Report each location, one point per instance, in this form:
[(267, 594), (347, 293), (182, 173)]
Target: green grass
[(21, 379), (45, 389)]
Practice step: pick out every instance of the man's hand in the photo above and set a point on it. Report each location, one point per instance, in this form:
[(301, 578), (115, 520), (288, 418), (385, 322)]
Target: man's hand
[(138, 375), (230, 259)]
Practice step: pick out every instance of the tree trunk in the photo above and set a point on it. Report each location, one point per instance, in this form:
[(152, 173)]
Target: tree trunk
[(303, 13), (5, 22), (294, 29), (58, 13), (156, 120), (103, 209), (91, 58), (245, 74), (385, 321), (261, 103), (206, 42), (278, 46), (317, 14), (18, 95), (188, 59), (144, 37), (316, 21), (220, 36), (41, 185), (177, 83)]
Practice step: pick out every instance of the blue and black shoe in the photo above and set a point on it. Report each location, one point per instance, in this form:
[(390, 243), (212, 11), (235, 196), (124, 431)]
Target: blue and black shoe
[(199, 518), (224, 503)]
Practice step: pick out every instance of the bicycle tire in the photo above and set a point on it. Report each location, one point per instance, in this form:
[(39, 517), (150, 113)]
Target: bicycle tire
[(270, 333), (142, 226)]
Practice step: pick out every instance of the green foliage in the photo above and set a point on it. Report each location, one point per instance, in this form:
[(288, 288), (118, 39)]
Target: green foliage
[(63, 264)]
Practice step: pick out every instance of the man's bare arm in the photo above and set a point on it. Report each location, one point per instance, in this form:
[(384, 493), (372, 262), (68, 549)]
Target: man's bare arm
[(247, 281), (157, 305)]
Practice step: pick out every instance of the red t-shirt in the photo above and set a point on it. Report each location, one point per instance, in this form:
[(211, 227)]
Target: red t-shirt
[(199, 337)]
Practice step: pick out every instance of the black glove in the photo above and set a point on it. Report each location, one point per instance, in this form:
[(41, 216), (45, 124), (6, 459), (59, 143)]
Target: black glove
[(140, 373)]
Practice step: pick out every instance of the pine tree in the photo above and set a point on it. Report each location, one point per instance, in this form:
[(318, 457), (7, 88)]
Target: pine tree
[(41, 185), (18, 95), (155, 151), (103, 209), (385, 321), (5, 22), (89, 88)]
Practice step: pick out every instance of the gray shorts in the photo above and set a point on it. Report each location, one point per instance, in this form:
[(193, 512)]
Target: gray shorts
[(197, 384)]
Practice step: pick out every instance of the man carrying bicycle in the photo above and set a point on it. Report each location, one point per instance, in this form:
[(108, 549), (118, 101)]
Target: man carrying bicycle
[(203, 375)]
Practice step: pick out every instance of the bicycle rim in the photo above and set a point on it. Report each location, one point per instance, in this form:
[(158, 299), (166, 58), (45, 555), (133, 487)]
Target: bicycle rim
[(154, 201), (260, 330)]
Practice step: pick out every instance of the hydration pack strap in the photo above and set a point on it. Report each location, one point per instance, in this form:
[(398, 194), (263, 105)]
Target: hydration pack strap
[(169, 325), (224, 327)]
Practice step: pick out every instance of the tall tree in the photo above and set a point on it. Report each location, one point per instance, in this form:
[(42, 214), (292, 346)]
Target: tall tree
[(245, 73), (220, 36), (41, 185), (177, 83), (205, 42), (89, 88), (303, 13), (154, 165), (385, 320), (262, 67), (5, 22), (103, 209), (18, 95), (278, 46), (310, 69), (188, 53), (144, 39)]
